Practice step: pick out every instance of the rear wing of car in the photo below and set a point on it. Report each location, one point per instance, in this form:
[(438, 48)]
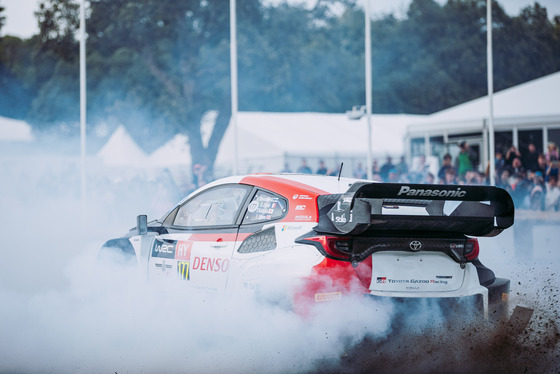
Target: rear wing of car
[(470, 210)]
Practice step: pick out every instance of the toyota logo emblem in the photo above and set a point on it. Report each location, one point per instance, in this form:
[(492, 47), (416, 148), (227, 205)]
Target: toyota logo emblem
[(416, 245)]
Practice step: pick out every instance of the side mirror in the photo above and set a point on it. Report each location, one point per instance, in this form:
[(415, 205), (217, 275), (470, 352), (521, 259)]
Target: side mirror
[(142, 224)]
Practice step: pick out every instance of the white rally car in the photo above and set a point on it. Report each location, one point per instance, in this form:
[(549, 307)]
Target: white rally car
[(326, 238)]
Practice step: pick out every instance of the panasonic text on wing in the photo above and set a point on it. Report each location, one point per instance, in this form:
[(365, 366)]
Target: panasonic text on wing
[(406, 190)]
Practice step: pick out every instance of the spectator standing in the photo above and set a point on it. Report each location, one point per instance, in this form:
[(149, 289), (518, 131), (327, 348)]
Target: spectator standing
[(552, 151), (322, 169), (375, 167), (542, 164), (393, 176), (447, 164), (552, 197), (531, 158), (450, 176), (286, 168), (402, 167), (359, 172), (464, 161), (430, 178), (517, 167), (537, 188), (303, 168), (503, 181), (512, 153), (419, 172), (552, 170), (499, 162), (386, 167)]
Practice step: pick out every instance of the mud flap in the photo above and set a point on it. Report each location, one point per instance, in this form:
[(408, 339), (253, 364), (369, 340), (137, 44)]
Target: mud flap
[(498, 300), (519, 320)]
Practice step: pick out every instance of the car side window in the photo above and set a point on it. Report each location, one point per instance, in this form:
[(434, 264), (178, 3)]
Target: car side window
[(265, 206), (215, 207)]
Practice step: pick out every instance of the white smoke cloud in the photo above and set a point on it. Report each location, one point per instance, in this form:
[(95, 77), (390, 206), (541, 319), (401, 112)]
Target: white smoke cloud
[(62, 311)]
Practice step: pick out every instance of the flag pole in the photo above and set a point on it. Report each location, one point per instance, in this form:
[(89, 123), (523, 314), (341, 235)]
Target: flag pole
[(233, 67), (83, 103), (369, 164), (490, 77)]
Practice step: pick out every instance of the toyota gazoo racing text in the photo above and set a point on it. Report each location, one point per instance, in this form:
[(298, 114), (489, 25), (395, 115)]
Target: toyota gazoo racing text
[(328, 238)]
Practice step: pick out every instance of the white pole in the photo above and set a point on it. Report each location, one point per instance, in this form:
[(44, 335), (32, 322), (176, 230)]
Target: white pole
[(490, 76), (368, 87), (233, 67), (83, 101)]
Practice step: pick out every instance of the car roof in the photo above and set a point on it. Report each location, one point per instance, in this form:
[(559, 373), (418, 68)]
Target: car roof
[(315, 184)]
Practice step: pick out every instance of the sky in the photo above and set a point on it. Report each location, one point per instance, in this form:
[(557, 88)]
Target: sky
[(20, 20)]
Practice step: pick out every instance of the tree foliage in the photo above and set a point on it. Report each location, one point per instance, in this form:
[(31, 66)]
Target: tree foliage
[(159, 66)]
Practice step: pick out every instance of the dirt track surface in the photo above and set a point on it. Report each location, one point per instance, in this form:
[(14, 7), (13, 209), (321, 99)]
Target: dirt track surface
[(471, 348), (465, 351)]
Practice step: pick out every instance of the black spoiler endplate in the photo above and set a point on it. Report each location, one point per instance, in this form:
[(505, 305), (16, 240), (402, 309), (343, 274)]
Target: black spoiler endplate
[(482, 211)]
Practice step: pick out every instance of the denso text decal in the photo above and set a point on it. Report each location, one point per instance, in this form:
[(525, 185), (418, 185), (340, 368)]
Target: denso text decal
[(210, 264)]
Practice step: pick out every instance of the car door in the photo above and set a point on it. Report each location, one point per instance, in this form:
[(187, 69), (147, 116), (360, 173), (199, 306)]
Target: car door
[(200, 239)]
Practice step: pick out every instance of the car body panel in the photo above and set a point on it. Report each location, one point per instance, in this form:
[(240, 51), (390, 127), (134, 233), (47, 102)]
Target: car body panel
[(312, 237)]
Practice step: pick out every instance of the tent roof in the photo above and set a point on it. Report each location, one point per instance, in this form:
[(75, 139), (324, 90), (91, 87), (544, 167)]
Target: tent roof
[(265, 134), (14, 130), (122, 150), (538, 97), (175, 152)]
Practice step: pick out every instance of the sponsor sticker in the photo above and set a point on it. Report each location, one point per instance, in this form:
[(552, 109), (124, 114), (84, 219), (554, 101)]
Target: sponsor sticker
[(183, 268), (406, 190), (412, 281), (163, 266), (183, 250), (327, 296), (301, 197), (210, 264), (253, 206), (163, 249), (302, 218), (291, 228)]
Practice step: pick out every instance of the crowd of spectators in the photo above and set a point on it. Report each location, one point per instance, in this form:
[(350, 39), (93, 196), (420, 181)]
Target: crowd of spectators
[(530, 178)]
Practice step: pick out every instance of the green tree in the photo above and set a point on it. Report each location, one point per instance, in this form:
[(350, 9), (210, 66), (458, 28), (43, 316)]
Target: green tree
[(159, 66), (2, 18), (169, 58)]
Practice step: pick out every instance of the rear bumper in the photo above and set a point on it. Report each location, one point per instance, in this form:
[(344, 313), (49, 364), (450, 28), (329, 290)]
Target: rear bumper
[(464, 307), (489, 301)]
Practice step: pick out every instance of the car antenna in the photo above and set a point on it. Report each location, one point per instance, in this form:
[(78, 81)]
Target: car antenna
[(340, 170)]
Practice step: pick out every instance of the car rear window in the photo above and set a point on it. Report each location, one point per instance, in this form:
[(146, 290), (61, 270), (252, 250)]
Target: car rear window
[(265, 206)]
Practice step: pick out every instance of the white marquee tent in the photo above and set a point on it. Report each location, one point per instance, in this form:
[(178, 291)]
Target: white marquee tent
[(13, 130), (122, 150), (268, 140)]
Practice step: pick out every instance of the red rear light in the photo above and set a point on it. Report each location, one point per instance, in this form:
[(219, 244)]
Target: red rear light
[(338, 248), (472, 249)]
